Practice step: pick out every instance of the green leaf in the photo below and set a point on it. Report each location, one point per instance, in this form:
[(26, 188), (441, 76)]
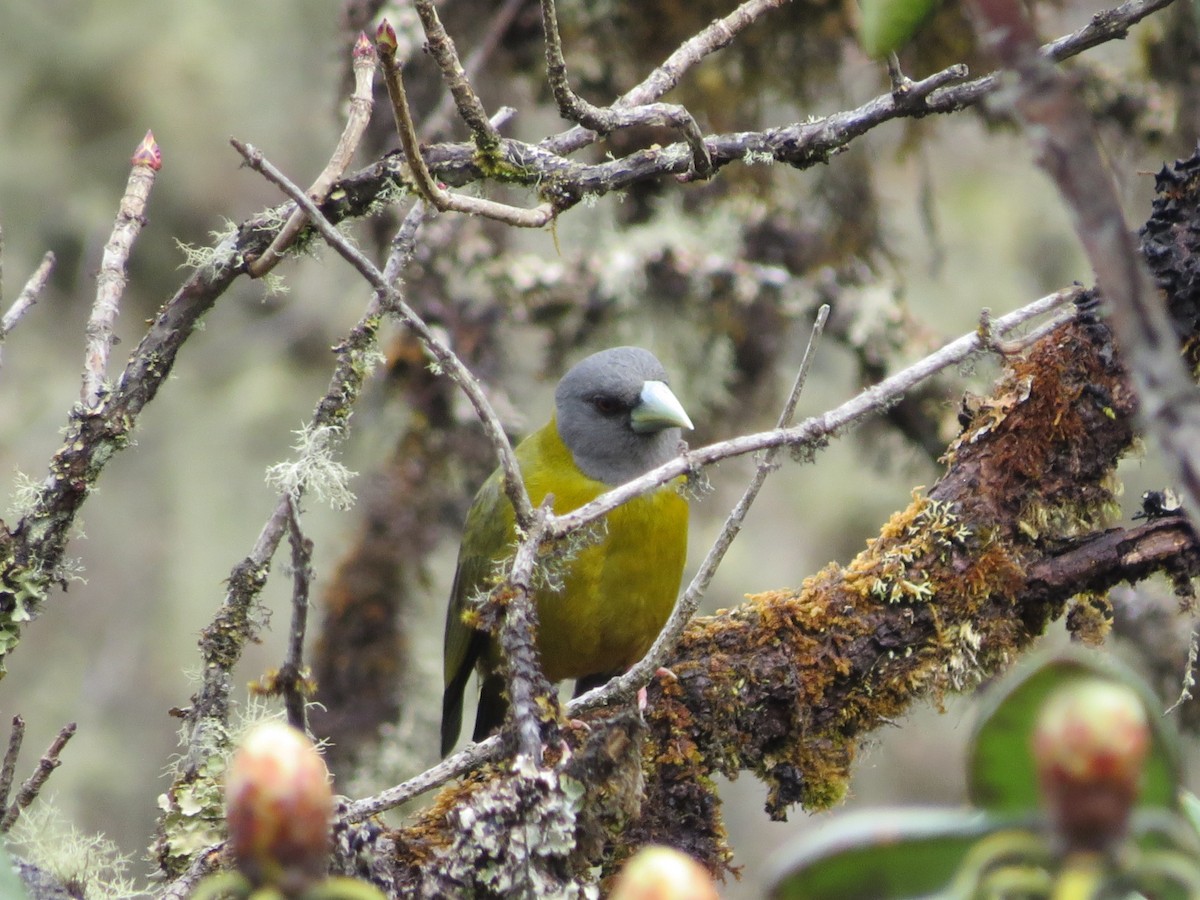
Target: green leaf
[(884, 854), (1189, 805), (887, 25), (1001, 776)]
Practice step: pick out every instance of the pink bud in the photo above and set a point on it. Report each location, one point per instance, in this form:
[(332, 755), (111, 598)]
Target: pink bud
[(148, 153), (385, 37), (279, 807)]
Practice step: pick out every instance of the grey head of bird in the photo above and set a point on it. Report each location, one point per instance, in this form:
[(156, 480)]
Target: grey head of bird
[(617, 416)]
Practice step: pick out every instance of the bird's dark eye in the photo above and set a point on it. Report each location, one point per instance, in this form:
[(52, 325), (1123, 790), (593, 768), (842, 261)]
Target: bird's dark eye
[(607, 405)]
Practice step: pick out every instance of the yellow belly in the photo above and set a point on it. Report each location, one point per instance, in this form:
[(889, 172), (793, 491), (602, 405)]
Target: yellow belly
[(617, 591)]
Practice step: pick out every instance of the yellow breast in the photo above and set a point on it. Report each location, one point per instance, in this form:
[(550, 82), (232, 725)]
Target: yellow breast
[(616, 592)]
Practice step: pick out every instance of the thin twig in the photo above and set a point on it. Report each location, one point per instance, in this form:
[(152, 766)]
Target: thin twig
[(33, 784), (203, 863), (423, 181), (362, 101), (441, 47), (900, 81), (442, 355), (603, 121), (9, 767), (27, 298), (991, 341), (872, 399), (640, 674), (222, 642), (719, 33), (293, 679), (436, 122), (110, 283), (518, 625)]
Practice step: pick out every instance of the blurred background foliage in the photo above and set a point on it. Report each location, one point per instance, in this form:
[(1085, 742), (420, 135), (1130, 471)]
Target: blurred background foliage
[(909, 234)]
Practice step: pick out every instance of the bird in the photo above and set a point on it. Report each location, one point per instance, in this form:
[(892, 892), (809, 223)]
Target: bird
[(615, 418)]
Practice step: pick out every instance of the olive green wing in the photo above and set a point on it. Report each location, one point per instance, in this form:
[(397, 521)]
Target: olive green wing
[(487, 537)]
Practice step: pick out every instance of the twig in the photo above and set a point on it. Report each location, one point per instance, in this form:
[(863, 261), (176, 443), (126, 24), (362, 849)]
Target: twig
[(801, 144), (1107, 25), (603, 121), (992, 341), (502, 19), (436, 196), (719, 33), (518, 624), (9, 767), (465, 760), (293, 679), (900, 82), (624, 686), (441, 47), (1060, 128), (847, 414), (443, 356), (222, 642), (362, 101), (203, 863), (33, 784), (27, 298), (147, 160)]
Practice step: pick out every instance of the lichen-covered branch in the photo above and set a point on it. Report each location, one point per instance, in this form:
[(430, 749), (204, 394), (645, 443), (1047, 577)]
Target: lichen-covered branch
[(1061, 131), (27, 297)]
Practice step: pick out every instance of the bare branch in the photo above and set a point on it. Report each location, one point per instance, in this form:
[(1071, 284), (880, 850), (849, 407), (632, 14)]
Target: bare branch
[(437, 121), (441, 47), (294, 682), (147, 160), (430, 192), (362, 101), (603, 121), (33, 784), (27, 298), (9, 767), (720, 33), (517, 627), (810, 432)]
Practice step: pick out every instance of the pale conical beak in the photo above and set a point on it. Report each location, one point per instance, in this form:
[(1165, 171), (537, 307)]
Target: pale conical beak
[(658, 409)]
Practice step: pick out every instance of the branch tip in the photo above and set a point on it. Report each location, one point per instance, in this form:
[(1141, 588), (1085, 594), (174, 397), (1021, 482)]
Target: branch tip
[(148, 153)]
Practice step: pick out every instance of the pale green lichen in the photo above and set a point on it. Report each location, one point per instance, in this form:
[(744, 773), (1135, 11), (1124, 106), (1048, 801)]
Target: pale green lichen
[(315, 470), (89, 863)]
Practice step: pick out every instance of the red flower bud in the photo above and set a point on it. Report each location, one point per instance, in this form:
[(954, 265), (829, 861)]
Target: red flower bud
[(385, 38), (148, 153), (362, 46)]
